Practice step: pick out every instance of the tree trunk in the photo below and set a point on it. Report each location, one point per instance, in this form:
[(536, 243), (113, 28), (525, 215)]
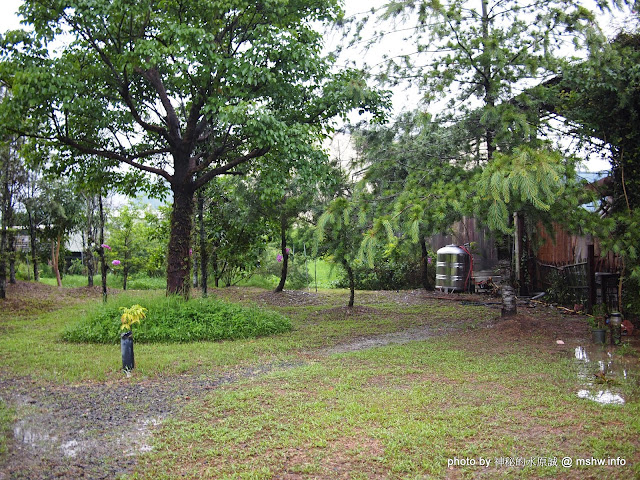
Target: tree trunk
[(178, 259), (425, 265), (352, 283), (90, 241), (216, 275), (3, 262), (203, 246), (4, 205), (285, 254), (517, 251), (55, 258), (126, 262), (12, 256), (489, 96), (33, 242), (90, 265), (509, 306), (103, 262)]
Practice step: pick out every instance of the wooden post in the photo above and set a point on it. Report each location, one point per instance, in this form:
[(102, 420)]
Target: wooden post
[(517, 239), (591, 278)]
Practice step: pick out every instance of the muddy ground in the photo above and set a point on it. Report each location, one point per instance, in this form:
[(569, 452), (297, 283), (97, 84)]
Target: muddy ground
[(78, 431)]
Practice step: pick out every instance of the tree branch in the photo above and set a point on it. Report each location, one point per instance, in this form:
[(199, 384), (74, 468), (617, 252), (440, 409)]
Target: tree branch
[(224, 169), (129, 160), (173, 122)]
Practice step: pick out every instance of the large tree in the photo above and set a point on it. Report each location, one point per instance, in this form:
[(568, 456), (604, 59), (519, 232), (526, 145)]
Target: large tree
[(600, 102), (185, 90)]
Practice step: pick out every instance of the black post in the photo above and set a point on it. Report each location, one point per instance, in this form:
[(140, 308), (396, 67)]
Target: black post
[(591, 278), (126, 348)]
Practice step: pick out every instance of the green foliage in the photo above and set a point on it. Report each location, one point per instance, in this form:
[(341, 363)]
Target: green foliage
[(156, 229), (138, 239), (339, 234), (529, 180), (601, 96), (558, 290), (236, 228), (488, 51), (271, 266), (76, 267), (416, 181), (339, 230), (172, 319), (61, 211), (187, 92), (389, 274)]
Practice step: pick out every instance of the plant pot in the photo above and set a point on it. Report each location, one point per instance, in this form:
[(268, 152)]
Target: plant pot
[(126, 347), (599, 335)]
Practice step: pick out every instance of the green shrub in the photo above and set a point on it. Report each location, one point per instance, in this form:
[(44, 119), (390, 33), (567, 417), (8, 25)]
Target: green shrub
[(386, 275), (174, 320)]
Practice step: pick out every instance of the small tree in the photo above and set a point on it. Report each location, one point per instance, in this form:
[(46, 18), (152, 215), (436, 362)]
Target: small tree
[(285, 195), (236, 228), (127, 241), (339, 233), (61, 215), (540, 184)]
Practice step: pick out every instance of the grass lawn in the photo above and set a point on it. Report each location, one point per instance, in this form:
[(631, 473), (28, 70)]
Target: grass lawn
[(404, 411), (474, 388)]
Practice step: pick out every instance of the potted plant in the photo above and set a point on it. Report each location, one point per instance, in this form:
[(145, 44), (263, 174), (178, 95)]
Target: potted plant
[(130, 316), (597, 321)]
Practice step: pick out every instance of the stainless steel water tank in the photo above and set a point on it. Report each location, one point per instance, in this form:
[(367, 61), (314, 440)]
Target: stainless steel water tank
[(452, 269)]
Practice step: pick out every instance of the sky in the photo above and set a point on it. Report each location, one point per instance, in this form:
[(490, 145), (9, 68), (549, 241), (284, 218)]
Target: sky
[(8, 18), (402, 98)]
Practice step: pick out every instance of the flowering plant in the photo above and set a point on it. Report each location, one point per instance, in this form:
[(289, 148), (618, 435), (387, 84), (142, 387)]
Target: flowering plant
[(115, 263), (132, 315), (104, 245)]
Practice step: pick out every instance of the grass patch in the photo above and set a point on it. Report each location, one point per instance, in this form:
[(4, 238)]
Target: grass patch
[(135, 282), (322, 274), (399, 412), (171, 319)]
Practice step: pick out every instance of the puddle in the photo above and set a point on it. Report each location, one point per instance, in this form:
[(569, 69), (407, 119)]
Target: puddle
[(34, 439), (606, 397), (34, 435), (601, 372)]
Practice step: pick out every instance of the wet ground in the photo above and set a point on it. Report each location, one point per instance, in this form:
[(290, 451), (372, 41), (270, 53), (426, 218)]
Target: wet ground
[(79, 431), (602, 372)]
